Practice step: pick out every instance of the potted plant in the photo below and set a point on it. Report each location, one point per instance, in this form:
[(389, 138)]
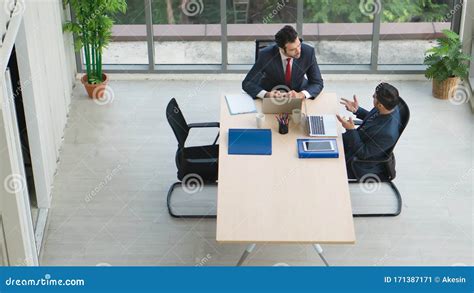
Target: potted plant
[(446, 64), (92, 26)]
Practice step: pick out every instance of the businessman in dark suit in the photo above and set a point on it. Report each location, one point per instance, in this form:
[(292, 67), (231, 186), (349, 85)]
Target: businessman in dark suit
[(378, 132), (283, 66)]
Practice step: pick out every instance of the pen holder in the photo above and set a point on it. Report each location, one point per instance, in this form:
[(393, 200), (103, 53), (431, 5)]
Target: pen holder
[(282, 128)]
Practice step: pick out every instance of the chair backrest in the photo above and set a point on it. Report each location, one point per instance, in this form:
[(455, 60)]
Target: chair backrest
[(177, 122), (404, 118), (260, 44)]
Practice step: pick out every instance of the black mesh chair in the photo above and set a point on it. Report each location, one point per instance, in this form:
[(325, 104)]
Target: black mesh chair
[(260, 44), (388, 163), (198, 163)]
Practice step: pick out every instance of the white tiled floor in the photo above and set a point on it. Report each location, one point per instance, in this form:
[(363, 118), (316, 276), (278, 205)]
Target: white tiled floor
[(117, 163)]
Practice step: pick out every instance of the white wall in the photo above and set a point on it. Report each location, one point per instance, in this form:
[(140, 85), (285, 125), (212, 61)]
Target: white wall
[(47, 72), (45, 60)]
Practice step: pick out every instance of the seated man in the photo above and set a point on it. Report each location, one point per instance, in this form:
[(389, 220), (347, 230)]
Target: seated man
[(378, 132), (283, 66)]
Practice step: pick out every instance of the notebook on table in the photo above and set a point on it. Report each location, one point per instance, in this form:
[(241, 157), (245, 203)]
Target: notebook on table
[(250, 141)]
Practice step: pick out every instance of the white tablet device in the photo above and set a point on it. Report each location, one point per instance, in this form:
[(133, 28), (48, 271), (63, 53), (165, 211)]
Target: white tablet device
[(318, 146)]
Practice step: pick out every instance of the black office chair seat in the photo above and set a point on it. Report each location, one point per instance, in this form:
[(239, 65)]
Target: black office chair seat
[(197, 162), (200, 160), (388, 163)]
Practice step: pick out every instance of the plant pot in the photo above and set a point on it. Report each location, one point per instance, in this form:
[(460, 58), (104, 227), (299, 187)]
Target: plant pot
[(95, 91), (445, 89)]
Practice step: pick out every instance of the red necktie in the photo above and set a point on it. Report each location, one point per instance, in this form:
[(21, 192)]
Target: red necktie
[(288, 72)]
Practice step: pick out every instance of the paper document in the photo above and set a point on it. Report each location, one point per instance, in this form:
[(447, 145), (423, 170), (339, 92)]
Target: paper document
[(240, 103)]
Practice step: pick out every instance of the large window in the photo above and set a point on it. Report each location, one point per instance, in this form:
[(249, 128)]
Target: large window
[(249, 20), (187, 32), (128, 44), (409, 28), (219, 35), (340, 31)]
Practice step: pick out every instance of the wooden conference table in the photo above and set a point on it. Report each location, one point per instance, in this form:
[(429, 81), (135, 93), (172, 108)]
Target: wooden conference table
[(281, 198)]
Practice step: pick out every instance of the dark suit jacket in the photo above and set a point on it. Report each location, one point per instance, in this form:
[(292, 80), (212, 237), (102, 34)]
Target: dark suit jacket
[(374, 138), (268, 73)]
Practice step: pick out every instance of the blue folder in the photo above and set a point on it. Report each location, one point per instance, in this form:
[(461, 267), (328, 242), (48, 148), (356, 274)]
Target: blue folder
[(302, 154), (250, 141)]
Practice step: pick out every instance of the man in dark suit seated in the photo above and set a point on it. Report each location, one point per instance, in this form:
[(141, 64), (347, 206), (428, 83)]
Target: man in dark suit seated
[(378, 132), (283, 66)]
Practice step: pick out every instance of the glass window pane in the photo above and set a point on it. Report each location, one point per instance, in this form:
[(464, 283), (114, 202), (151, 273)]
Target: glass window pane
[(128, 44), (250, 20), (410, 27), (340, 30), (187, 31)]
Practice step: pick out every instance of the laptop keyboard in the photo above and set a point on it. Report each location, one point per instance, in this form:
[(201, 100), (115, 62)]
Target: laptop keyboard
[(317, 125)]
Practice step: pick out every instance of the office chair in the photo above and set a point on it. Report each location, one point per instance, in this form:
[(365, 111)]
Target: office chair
[(197, 163), (260, 44), (389, 164)]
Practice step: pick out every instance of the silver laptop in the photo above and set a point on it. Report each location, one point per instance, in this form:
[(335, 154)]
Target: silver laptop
[(280, 105), (322, 125)]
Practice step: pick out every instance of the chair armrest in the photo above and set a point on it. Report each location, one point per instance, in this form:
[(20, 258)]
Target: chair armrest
[(357, 160), (203, 124)]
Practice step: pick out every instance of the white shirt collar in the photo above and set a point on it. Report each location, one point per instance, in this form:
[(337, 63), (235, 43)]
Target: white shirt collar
[(283, 59), (283, 56)]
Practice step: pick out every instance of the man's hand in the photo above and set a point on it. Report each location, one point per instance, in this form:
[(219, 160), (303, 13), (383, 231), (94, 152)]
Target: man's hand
[(273, 94), (351, 106), (296, 95), (347, 124)]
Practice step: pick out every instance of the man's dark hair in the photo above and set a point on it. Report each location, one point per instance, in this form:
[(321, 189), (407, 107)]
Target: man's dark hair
[(387, 95), (286, 35)]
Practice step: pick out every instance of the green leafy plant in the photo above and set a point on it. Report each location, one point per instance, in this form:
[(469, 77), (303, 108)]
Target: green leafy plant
[(92, 27), (446, 59)]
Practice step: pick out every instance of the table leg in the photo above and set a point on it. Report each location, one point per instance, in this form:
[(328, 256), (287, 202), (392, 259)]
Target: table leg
[(319, 250), (246, 253)]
